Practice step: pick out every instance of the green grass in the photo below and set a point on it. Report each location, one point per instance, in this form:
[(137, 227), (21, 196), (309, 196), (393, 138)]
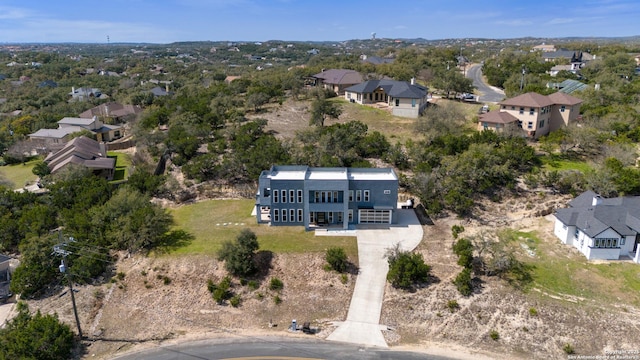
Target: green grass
[(559, 274), (393, 127), (205, 221), (19, 174), (559, 164), (123, 163)]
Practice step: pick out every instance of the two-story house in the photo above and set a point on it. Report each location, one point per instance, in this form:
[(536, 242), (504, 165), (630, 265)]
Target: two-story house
[(299, 195), (405, 99), (538, 114)]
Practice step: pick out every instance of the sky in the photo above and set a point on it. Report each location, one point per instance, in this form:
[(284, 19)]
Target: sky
[(166, 21)]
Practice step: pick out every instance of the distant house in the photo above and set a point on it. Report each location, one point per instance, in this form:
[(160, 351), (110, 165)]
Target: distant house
[(539, 114), (85, 93), (313, 51), (159, 91), (84, 152), (544, 48), (337, 79), (299, 195), (568, 86), (69, 125), (113, 110), (405, 99), (604, 229), (48, 83), (376, 60), (498, 121)]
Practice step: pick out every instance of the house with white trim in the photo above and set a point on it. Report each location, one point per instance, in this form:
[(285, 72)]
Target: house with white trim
[(299, 195), (405, 99), (603, 229)]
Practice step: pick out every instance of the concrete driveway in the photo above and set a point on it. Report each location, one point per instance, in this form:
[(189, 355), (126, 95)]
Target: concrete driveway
[(363, 320)]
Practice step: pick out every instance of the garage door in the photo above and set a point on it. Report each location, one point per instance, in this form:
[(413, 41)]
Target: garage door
[(370, 216)]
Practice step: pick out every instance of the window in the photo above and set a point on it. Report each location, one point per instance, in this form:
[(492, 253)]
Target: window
[(576, 233), (331, 217), (607, 243), (283, 196), (532, 111), (358, 195), (621, 241), (312, 217), (299, 215), (350, 215), (335, 196), (276, 215), (485, 125), (530, 125), (521, 110), (276, 196), (541, 123), (513, 108), (562, 108), (413, 102), (366, 195), (284, 215), (397, 102), (266, 192), (300, 196), (292, 215), (292, 196), (116, 134), (340, 217), (387, 192), (350, 195), (316, 196)]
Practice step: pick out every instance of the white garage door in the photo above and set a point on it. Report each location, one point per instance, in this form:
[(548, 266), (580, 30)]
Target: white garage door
[(370, 216)]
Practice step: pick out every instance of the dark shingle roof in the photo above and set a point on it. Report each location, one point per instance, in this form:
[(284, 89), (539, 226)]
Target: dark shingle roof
[(397, 89), (498, 117), (339, 76), (622, 214)]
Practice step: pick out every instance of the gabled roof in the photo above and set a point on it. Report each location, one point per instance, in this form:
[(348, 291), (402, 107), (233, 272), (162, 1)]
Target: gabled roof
[(112, 109), (76, 121), (564, 99), (340, 77), (530, 99), (81, 151), (621, 214), (376, 60), (158, 91), (498, 117), (397, 89), (56, 133)]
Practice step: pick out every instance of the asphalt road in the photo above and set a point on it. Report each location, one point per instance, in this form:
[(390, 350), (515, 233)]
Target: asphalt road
[(487, 92), (272, 348)]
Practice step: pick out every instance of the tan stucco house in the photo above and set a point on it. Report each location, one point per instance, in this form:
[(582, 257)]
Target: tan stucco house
[(337, 79), (403, 98), (498, 121), (538, 114), (70, 125)]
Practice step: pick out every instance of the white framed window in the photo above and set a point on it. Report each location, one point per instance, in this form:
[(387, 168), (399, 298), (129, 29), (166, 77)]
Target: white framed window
[(397, 102), (330, 217), (358, 195), (312, 217), (340, 217), (300, 197), (335, 196), (413, 102), (299, 215), (530, 125), (366, 195), (284, 215), (350, 215), (562, 108), (276, 196), (283, 196), (532, 111), (350, 195), (521, 110), (292, 215), (387, 192), (622, 241), (276, 215), (292, 196)]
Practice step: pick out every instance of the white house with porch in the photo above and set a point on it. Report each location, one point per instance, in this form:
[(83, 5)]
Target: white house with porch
[(601, 229)]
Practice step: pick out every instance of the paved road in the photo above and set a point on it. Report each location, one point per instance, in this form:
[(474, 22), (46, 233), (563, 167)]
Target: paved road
[(487, 92), (363, 320), (272, 348)]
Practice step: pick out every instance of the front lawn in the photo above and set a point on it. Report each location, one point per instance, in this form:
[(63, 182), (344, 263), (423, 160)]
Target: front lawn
[(212, 222), (123, 163), (19, 175), (559, 163)]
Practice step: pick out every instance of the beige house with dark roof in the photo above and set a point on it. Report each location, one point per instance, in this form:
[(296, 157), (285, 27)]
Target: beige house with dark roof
[(84, 152), (112, 110), (337, 79), (538, 114), (498, 121)]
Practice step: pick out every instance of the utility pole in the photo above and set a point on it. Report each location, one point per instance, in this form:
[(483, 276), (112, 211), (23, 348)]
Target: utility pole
[(59, 250)]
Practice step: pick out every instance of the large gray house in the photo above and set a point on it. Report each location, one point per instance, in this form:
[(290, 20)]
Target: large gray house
[(333, 197)]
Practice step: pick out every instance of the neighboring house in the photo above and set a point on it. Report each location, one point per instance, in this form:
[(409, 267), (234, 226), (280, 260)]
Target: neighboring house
[(604, 229), (577, 59), (85, 93), (568, 86), (84, 152), (113, 110), (312, 197), (337, 79), (4, 268), (375, 60), (69, 125), (539, 114), (498, 121), (404, 98), (48, 83), (544, 48), (158, 91)]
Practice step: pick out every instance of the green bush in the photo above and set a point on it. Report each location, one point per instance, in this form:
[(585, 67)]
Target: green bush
[(494, 335), (463, 248), (533, 312), (453, 305), (253, 285), (337, 258), (235, 301), (406, 269), (239, 255), (568, 349), (276, 284), (344, 278), (277, 300), (463, 282)]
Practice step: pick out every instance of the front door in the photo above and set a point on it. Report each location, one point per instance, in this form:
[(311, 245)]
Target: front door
[(321, 218)]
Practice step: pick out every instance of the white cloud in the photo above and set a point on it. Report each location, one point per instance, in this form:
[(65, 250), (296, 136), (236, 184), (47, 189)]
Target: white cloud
[(559, 21), (515, 22), (11, 13)]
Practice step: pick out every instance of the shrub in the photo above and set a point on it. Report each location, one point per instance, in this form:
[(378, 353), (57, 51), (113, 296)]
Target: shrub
[(456, 230), (239, 255), (463, 282), (344, 278), (277, 300), (337, 258), (211, 286), (533, 311), (120, 276), (276, 284), (568, 349), (406, 269), (235, 300), (166, 280), (494, 335), (253, 285), (464, 249), (453, 305)]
